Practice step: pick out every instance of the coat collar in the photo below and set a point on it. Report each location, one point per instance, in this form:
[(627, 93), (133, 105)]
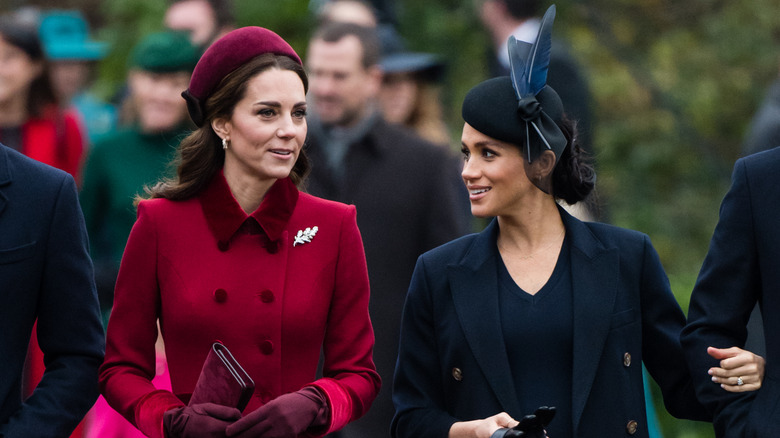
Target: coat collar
[(595, 272), (5, 171), (225, 216), (474, 284), (5, 174), (370, 138)]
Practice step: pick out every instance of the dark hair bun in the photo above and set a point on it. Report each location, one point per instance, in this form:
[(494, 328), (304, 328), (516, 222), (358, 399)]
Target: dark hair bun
[(574, 176)]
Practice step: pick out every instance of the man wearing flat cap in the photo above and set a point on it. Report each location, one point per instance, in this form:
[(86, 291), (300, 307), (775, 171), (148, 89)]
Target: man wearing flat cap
[(120, 165)]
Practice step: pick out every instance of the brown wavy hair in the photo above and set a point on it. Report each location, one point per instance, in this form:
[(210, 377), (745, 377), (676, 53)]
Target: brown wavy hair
[(200, 154)]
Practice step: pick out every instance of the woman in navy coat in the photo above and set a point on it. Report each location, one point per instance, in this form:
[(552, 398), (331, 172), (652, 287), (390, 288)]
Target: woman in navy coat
[(539, 309), (231, 250)]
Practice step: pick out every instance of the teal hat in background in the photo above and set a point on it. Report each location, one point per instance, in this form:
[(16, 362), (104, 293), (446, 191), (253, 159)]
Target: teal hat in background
[(164, 52), (65, 36)]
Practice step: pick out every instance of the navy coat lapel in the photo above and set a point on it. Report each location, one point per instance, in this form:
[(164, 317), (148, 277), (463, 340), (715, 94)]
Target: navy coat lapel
[(595, 272), (474, 285), (5, 175)]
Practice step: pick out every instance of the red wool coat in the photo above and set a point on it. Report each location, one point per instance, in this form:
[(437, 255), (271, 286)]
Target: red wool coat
[(55, 139), (209, 272)]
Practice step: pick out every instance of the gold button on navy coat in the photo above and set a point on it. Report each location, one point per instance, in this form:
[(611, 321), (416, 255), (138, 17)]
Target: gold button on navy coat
[(457, 374), (631, 427)]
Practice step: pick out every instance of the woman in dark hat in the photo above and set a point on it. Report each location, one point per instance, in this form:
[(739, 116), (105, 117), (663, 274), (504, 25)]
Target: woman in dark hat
[(539, 309), (410, 94), (230, 250)]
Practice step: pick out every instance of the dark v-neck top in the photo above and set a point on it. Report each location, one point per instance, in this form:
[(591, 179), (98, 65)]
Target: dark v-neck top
[(538, 332)]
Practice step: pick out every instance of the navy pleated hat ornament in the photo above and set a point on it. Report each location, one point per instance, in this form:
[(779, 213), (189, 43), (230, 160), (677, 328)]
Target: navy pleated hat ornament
[(225, 55), (521, 109)]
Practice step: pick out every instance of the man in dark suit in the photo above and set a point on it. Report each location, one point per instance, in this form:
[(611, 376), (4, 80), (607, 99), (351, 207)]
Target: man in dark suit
[(404, 188), (739, 271), (45, 273)]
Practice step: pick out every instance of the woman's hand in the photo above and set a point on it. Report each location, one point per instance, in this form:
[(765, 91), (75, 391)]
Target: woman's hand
[(481, 428), (737, 366), (207, 420), (286, 416)]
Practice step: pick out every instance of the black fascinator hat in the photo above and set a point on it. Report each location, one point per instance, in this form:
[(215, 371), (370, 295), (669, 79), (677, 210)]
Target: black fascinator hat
[(521, 109)]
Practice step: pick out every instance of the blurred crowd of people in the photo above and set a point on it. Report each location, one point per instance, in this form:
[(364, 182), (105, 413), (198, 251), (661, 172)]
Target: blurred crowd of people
[(377, 139)]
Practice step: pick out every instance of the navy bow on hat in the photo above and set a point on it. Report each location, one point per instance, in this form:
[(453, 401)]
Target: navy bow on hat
[(528, 63)]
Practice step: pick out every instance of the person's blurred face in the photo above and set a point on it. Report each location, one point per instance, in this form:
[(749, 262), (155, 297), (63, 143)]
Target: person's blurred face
[(157, 98), (346, 11), (69, 78), (17, 72), (194, 17), (494, 173), (267, 129), (398, 97), (340, 87)]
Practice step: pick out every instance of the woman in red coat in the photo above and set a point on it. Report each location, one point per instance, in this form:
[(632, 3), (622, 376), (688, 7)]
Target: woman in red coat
[(231, 250)]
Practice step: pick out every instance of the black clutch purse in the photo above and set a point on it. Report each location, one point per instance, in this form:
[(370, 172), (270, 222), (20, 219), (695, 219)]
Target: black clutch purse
[(222, 380), (530, 426)]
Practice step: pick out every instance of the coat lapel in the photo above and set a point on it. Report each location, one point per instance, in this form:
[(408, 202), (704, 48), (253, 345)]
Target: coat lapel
[(474, 283), (5, 176), (594, 271)]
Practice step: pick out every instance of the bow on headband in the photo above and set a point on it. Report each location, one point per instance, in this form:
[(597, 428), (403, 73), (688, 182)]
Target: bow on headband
[(528, 64)]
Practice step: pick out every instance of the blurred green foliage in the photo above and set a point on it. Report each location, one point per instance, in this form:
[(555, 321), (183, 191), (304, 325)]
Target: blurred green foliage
[(674, 86)]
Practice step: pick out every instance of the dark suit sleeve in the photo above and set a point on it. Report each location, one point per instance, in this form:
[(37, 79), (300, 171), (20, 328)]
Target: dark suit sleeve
[(722, 300), (70, 333), (417, 390), (662, 321)]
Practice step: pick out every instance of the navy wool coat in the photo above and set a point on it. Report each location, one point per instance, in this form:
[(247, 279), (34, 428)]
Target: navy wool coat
[(740, 270), (453, 364), (45, 273)]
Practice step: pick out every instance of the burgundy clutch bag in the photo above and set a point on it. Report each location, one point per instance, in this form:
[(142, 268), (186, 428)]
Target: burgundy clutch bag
[(222, 380)]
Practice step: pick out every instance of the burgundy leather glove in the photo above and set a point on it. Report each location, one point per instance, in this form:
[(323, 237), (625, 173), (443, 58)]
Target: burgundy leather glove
[(207, 420), (286, 416)]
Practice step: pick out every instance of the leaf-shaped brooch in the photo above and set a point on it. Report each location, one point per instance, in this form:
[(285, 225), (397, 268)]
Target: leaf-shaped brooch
[(305, 236)]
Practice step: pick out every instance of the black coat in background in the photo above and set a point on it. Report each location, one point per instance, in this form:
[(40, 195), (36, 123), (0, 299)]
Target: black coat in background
[(740, 270), (45, 273), (405, 190)]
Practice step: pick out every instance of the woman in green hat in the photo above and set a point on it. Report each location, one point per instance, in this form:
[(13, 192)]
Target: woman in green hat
[(137, 154)]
